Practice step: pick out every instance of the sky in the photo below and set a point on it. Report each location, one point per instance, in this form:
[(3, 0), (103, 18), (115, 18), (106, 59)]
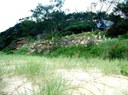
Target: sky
[(12, 10)]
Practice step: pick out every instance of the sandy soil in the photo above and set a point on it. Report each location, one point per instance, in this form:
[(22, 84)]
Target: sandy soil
[(81, 82), (94, 82)]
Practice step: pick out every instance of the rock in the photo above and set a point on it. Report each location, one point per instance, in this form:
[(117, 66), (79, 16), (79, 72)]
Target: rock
[(16, 44)]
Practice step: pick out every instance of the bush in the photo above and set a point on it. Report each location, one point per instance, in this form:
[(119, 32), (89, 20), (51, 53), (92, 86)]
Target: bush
[(117, 51), (79, 27), (76, 51), (120, 28), (22, 50), (112, 49), (124, 69)]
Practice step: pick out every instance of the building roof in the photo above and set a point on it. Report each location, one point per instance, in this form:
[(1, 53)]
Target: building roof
[(104, 24)]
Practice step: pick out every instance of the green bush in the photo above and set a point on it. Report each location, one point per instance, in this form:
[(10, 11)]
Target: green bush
[(76, 51), (119, 28), (125, 36), (79, 27), (22, 50), (112, 49), (124, 69), (117, 51)]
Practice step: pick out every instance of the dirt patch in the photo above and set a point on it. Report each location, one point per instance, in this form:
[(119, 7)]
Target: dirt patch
[(94, 82)]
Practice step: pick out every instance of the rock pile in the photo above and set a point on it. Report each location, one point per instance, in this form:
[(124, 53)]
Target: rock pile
[(16, 44), (47, 45)]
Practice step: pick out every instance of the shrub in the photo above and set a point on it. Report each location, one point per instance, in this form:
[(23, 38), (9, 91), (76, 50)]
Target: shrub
[(116, 51), (22, 50), (76, 51), (114, 48), (124, 69), (79, 27), (120, 28)]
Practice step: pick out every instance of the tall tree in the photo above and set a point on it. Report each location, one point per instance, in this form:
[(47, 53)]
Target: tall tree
[(122, 9), (41, 12)]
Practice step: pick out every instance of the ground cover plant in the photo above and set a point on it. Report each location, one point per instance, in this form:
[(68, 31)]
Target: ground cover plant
[(41, 69)]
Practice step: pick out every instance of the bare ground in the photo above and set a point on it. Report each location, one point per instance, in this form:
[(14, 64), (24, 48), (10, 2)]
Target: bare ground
[(91, 82), (94, 82)]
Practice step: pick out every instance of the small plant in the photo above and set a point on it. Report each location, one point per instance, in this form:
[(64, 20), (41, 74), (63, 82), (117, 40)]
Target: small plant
[(53, 85), (22, 50), (118, 50), (124, 69), (119, 28), (32, 69)]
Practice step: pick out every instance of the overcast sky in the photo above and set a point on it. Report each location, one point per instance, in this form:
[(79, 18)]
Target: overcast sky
[(12, 10)]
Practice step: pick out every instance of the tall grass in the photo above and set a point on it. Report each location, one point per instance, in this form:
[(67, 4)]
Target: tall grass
[(40, 67), (35, 67), (42, 70), (53, 85), (106, 66), (115, 48)]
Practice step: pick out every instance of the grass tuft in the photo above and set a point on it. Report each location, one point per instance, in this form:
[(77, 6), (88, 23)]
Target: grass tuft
[(53, 85)]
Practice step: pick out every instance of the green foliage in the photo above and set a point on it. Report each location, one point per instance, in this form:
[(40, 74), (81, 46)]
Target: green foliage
[(122, 8), (77, 51), (124, 69), (53, 85), (119, 28), (112, 49), (80, 27), (117, 51), (30, 69), (101, 15), (22, 50), (20, 30), (41, 68), (120, 20), (125, 36)]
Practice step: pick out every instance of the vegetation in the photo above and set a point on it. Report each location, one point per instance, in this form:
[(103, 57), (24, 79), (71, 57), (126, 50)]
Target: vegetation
[(54, 85), (35, 67), (79, 27), (50, 22), (120, 26), (105, 50)]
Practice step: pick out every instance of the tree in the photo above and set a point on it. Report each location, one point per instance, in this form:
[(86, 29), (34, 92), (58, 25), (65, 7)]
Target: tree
[(120, 17), (104, 7), (122, 9), (41, 12), (58, 4), (50, 17)]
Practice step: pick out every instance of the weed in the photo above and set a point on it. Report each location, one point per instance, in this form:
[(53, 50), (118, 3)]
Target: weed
[(53, 85), (22, 50)]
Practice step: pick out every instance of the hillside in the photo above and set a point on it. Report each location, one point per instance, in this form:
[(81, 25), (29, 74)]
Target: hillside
[(53, 52), (86, 44)]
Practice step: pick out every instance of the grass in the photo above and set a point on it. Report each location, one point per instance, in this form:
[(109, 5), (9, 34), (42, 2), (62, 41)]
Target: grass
[(109, 49), (42, 69), (33, 69), (53, 85), (33, 66)]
